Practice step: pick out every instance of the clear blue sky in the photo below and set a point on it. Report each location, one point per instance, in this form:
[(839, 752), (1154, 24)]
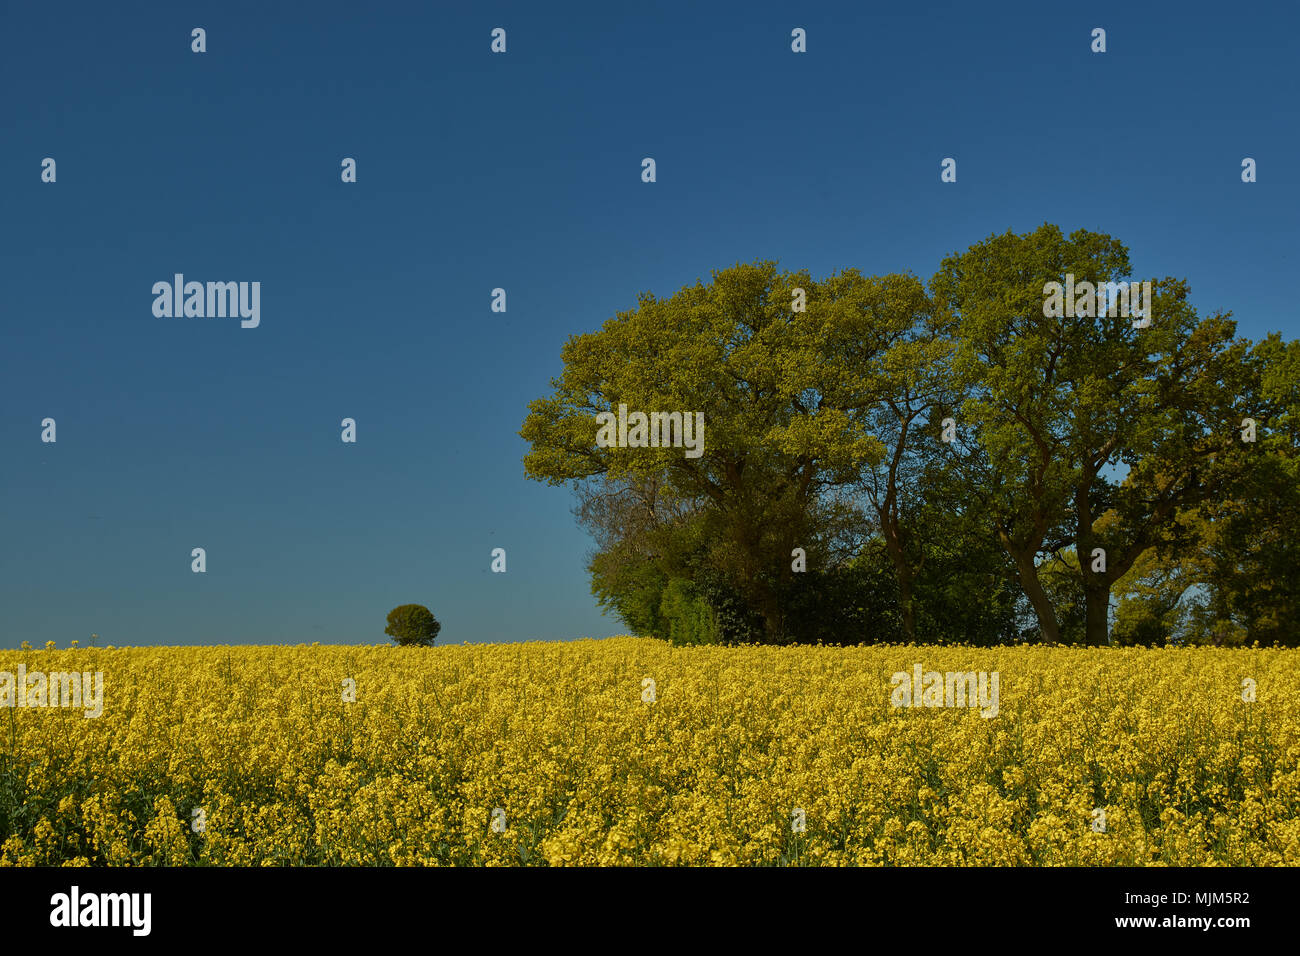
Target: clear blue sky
[(521, 171)]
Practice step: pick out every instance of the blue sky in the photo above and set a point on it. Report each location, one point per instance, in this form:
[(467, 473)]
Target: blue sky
[(519, 171)]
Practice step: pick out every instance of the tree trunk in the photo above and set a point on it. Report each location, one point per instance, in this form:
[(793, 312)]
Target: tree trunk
[(773, 619), (1097, 607), (903, 572), (905, 599), (1038, 598), (1096, 584)]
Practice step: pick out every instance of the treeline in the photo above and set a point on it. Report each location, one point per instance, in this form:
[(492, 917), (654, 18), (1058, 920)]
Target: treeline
[(887, 460)]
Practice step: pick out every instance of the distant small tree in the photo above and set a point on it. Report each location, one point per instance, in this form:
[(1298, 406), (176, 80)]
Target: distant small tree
[(412, 625)]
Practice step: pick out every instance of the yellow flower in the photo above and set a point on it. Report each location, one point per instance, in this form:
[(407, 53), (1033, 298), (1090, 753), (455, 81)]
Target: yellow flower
[(557, 737)]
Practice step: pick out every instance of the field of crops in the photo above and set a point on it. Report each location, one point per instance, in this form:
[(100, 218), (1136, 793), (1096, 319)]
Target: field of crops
[(629, 751)]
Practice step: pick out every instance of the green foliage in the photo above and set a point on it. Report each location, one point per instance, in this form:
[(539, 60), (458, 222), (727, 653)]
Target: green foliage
[(1084, 417), (412, 625), (1076, 435), (853, 604), (1158, 599), (689, 618), (781, 399), (734, 619)]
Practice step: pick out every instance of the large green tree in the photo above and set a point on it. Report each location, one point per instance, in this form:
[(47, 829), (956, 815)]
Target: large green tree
[(1084, 414), (783, 402)]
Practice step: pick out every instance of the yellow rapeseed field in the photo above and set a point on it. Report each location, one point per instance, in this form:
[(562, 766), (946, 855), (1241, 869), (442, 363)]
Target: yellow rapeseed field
[(629, 751)]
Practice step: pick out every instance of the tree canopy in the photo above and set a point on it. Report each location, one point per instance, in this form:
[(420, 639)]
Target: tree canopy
[(884, 459), (412, 625)]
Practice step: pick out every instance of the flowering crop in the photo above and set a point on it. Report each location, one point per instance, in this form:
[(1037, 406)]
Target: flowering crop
[(630, 751)]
